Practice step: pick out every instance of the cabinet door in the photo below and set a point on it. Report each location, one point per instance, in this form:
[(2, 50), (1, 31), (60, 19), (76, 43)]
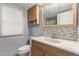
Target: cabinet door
[(37, 52), (30, 14), (34, 10)]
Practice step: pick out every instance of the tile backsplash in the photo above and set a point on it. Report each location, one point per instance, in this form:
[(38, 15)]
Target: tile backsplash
[(62, 33)]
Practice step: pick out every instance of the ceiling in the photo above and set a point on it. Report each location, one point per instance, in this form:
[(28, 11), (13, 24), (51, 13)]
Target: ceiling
[(29, 5), (26, 5)]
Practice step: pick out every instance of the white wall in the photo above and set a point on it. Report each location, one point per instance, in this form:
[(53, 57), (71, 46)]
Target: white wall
[(9, 45), (78, 22), (36, 30)]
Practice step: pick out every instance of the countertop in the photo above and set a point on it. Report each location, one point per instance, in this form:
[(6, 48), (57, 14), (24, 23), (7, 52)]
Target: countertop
[(71, 46)]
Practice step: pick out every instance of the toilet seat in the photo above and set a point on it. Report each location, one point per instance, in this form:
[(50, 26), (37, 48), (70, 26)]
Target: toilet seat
[(24, 48)]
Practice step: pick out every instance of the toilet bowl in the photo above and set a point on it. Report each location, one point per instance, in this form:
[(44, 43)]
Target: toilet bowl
[(24, 50)]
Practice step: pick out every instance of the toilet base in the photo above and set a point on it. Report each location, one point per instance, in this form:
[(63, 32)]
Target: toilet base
[(23, 54)]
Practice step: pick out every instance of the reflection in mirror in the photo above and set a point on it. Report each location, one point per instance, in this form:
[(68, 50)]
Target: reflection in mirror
[(58, 14)]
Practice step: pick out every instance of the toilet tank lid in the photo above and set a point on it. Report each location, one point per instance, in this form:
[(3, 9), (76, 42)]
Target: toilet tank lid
[(24, 48)]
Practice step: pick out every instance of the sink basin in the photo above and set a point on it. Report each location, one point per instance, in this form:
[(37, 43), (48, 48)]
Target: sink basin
[(52, 40)]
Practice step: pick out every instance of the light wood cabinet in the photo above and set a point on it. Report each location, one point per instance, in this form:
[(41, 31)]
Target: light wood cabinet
[(33, 15), (37, 52), (40, 49)]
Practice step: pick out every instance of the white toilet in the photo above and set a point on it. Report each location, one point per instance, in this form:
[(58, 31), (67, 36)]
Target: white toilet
[(24, 50)]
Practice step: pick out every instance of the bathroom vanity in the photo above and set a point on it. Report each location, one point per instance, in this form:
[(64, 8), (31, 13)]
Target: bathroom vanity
[(45, 47)]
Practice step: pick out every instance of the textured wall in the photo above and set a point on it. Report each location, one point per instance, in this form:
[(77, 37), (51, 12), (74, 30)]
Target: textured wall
[(63, 33)]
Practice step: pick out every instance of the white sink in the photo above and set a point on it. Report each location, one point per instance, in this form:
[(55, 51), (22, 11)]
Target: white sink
[(51, 40)]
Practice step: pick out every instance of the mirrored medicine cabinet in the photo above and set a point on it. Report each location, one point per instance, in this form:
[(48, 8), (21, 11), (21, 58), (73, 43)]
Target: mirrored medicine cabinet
[(56, 14)]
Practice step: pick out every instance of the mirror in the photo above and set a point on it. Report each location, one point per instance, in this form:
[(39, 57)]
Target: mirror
[(58, 14)]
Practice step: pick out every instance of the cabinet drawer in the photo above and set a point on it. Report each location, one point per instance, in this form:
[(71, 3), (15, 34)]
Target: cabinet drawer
[(51, 50)]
